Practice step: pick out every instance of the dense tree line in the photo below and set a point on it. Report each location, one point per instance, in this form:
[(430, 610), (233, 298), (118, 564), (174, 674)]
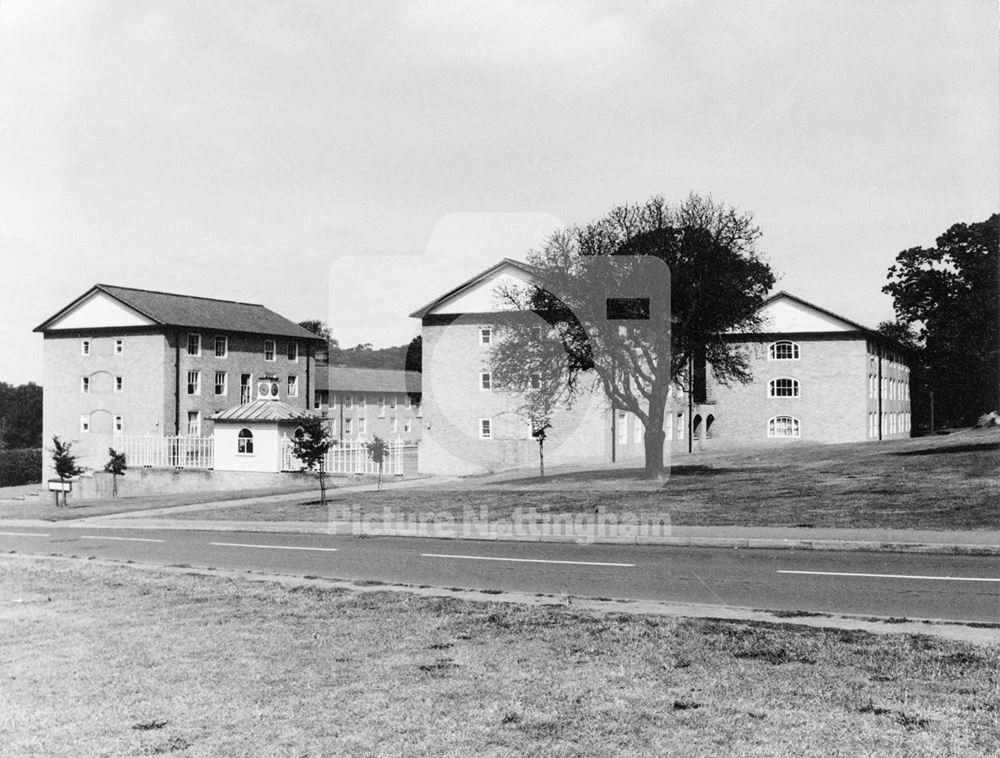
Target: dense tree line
[(947, 303), (20, 416), (406, 357)]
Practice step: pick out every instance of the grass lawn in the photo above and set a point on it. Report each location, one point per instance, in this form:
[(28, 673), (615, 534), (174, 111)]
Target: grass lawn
[(944, 482), (43, 507), (112, 660)]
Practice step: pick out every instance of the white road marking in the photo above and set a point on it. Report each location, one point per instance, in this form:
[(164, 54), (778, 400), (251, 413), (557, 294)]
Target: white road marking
[(122, 539), (23, 534), (524, 560), (274, 547), (899, 576)]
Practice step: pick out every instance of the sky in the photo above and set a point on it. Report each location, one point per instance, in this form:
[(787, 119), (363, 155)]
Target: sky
[(352, 161)]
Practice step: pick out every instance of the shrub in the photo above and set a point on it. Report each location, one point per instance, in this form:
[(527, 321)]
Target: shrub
[(20, 466)]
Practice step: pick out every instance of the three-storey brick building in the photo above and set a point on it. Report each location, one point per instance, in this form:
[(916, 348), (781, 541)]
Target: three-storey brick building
[(123, 361)]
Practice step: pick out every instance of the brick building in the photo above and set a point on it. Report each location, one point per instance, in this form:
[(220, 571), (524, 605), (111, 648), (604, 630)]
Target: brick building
[(363, 403), (817, 376), (123, 361)]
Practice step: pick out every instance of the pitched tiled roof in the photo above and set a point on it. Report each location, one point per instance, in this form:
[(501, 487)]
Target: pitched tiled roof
[(373, 380), (261, 410), (198, 312)]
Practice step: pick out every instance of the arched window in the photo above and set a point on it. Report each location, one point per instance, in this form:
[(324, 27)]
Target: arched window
[(299, 433), (783, 426), (244, 442), (785, 350), (783, 386)]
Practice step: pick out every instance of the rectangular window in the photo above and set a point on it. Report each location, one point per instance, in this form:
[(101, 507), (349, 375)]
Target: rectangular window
[(293, 386), (293, 351), (221, 347), (407, 402), (85, 347), (485, 429), (119, 383), (361, 401), (485, 381), (194, 383), (381, 406), (680, 426), (392, 402), (485, 335), (220, 382), (417, 409), (84, 384), (362, 425), (407, 425), (119, 347), (246, 384), (636, 430), (194, 344), (622, 427), (119, 425), (84, 424), (348, 426), (348, 401), (268, 350), (394, 425), (194, 423)]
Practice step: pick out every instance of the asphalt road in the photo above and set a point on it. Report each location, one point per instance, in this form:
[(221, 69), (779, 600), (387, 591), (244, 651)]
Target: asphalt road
[(957, 588)]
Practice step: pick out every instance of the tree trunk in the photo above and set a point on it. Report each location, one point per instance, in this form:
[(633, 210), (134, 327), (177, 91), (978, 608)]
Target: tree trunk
[(541, 458), (653, 439), (322, 485)]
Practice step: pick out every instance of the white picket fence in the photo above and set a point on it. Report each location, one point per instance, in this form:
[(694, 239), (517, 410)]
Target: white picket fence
[(348, 457), (167, 452)]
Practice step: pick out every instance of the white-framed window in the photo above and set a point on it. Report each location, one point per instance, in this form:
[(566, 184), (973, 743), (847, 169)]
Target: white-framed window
[(221, 382), (485, 381), (392, 402), (407, 401), (362, 401), (783, 350), (394, 425), (119, 346), (293, 351), (194, 344), (85, 347), (362, 425), (84, 384), (680, 426), (119, 383), (381, 406), (194, 423), (783, 386), (293, 386), (221, 347), (268, 350), (194, 383), (84, 423), (622, 427), (348, 401), (485, 335), (348, 426), (407, 425), (418, 409), (783, 426), (485, 429), (119, 424), (636, 430), (535, 380), (244, 442)]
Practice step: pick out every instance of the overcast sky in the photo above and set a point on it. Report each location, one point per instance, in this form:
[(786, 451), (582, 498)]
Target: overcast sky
[(242, 150)]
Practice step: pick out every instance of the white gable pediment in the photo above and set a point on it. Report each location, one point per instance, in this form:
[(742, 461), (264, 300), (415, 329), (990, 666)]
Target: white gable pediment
[(784, 314), (483, 296), (97, 311)]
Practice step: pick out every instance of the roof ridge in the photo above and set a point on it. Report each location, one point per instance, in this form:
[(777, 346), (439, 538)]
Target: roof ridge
[(177, 294)]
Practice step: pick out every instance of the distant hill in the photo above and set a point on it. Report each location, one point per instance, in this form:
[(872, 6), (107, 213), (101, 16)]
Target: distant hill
[(406, 357)]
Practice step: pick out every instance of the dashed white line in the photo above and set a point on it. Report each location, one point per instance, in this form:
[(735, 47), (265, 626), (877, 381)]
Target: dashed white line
[(898, 576), (274, 547), (525, 560), (120, 539), (23, 534)]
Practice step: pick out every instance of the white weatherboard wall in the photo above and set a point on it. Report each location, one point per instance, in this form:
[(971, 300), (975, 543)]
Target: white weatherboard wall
[(100, 310), (266, 454)]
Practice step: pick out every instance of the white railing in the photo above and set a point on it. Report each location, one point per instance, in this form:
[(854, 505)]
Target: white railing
[(349, 457), (166, 452)]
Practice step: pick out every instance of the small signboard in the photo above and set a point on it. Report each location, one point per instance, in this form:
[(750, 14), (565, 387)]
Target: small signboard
[(57, 486)]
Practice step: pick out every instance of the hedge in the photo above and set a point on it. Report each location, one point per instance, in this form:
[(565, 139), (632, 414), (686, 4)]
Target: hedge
[(23, 466)]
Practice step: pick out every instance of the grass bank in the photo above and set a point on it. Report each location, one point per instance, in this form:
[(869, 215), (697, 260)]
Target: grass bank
[(101, 660), (946, 482)]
